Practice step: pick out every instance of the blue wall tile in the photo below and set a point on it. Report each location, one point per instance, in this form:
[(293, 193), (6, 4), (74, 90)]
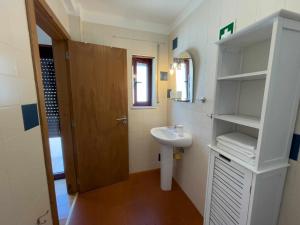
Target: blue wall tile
[(30, 116), (295, 147)]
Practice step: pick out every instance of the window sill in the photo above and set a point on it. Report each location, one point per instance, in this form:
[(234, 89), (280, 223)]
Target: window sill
[(143, 107)]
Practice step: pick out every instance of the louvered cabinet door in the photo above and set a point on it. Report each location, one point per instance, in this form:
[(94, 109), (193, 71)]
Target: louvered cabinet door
[(229, 192)]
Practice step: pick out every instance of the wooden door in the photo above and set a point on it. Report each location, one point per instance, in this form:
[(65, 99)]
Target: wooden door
[(99, 102)]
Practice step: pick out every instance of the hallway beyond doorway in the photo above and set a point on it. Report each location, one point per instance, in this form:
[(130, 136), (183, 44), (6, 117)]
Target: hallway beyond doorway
[(64, 201), (56, 155)]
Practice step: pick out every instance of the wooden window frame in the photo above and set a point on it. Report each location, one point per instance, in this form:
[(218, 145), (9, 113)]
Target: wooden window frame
[(149, 62)]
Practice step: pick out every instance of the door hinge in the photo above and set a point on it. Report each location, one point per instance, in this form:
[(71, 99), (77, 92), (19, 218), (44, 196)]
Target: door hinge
[(67, 55), (210, 115)]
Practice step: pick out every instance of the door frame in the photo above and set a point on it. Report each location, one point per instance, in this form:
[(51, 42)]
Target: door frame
[(39, 13)]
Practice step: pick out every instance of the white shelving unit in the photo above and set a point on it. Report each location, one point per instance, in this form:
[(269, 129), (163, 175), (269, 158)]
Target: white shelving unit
[(257, 94), (246, 76), (249, 121)]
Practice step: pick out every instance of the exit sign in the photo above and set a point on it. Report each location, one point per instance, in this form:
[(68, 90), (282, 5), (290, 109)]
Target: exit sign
[(226, 31)]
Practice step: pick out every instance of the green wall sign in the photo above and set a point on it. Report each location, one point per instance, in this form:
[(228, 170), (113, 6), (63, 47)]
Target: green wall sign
[(226, 31)]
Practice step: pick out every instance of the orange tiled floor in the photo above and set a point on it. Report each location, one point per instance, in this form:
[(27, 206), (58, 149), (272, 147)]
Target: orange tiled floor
[(138, 201)]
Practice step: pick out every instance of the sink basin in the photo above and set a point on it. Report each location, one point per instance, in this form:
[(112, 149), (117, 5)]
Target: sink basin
[(169, 136)]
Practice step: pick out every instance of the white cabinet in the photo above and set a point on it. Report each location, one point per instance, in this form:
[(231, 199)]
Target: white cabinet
[(257, 94), (237, 196), (229, 188)]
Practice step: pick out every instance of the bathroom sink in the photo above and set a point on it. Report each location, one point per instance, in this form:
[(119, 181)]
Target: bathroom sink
[(169, 136)]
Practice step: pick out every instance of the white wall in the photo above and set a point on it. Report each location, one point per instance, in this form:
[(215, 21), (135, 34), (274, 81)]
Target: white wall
[(291, 198), (143, 150), (197, 34), (59, 10), (23, 187)]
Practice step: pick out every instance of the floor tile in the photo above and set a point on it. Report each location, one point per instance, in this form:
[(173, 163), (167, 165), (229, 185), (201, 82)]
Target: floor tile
[(137, 201)]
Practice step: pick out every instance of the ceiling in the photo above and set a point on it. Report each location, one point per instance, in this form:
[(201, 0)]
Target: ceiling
[(155, 13)]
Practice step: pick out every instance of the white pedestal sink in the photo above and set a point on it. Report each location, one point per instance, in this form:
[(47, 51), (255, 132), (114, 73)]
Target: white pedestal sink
[(169, 138)]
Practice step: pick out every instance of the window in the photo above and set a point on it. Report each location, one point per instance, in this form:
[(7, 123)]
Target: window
[(182, 79), (142, 81)]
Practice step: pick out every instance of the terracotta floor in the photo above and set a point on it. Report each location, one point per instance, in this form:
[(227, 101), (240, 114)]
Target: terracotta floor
[(138, 201)]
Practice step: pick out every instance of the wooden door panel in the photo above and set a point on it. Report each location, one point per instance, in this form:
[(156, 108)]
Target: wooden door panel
[(99, 97)]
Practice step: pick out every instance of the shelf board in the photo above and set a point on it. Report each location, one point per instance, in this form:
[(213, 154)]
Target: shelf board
[(233, 158), (245, 164), (246, 76), (248, 121)]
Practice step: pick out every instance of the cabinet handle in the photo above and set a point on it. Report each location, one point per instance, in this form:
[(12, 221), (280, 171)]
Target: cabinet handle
[(224, 157)]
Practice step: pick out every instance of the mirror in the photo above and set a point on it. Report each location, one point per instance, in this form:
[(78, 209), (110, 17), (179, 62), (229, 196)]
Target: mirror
[(182, 67)]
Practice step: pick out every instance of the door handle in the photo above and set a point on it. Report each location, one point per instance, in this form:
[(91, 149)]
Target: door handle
[(122, 119)]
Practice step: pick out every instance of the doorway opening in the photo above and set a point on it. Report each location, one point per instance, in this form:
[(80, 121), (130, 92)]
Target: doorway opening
[(70, 59), (64, 200), (40, 14), (51, 104)]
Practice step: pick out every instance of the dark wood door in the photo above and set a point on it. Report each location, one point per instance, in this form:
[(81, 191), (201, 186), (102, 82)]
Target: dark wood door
[(99, 101)]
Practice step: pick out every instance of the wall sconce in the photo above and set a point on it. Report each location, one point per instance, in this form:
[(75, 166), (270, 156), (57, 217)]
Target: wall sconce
[(176, 65)]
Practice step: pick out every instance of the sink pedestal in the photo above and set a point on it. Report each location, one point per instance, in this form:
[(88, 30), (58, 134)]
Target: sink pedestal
[(169, 137), (166, 167)]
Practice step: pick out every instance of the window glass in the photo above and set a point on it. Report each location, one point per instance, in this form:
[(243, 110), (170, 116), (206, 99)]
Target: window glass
[(142, 81), (181, 80)]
